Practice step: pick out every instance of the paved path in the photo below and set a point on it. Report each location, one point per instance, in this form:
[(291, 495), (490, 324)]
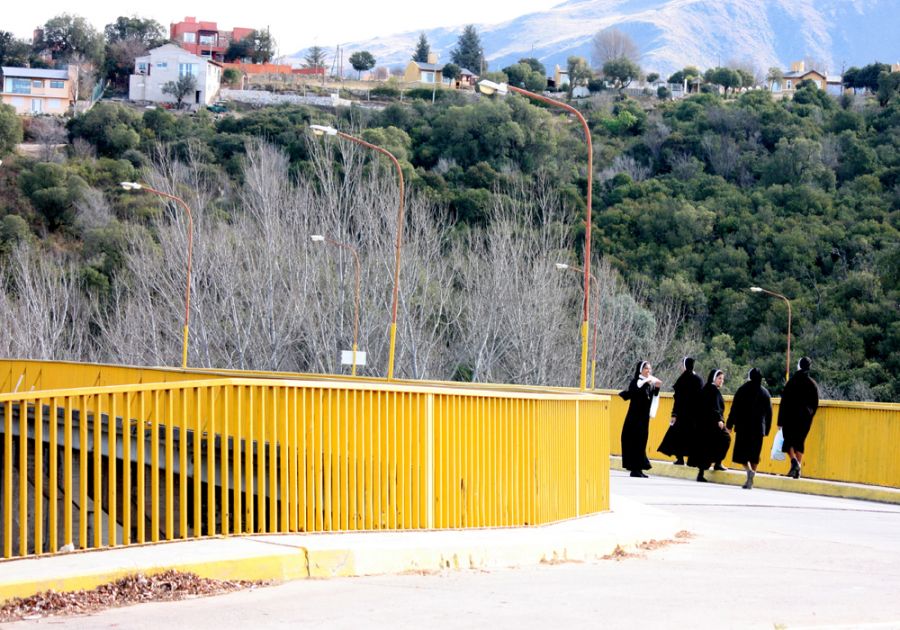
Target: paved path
[(757, 559)]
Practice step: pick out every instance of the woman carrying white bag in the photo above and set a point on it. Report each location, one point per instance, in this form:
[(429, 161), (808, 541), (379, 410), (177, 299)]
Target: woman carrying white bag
[(643, 397)]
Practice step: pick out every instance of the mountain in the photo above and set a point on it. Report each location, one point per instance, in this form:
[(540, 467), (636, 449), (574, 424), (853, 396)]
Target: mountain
[(675, 33)]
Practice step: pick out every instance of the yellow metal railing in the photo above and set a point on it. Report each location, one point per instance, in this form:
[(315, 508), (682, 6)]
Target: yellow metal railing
[(124, 464), (849, 441)]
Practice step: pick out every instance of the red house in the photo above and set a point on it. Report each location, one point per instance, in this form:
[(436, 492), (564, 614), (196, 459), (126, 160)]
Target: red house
[(204, 38)]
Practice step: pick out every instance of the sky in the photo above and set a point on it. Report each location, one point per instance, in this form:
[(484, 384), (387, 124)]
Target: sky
[(293, 25)]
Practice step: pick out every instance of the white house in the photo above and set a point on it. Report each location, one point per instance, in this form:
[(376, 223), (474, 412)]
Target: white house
[(169, 63)]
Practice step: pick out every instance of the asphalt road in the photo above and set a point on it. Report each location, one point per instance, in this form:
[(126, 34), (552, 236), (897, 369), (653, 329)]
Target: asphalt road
[(756, 559)]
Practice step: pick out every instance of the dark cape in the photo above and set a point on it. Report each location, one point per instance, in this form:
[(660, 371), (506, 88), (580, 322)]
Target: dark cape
[(710, 442), (799, 402), (679, 436), (636, 427), (751, 418)]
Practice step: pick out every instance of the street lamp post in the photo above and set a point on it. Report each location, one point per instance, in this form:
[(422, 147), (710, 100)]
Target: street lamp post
[(787, 369), (490, 87), (319, 238), (320, 130), (190, 234), (596, 318)]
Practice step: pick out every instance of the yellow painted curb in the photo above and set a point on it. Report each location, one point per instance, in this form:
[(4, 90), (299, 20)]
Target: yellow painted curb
[(737, 477), (288, 565)]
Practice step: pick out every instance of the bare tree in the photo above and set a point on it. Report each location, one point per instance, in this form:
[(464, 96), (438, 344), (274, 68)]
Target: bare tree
[(50, 133), (611, 44)]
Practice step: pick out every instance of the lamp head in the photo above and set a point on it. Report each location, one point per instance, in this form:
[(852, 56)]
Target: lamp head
[(562, 266), (490, 87), (130, 185), (317, 238), (756, 289), (323, 130)]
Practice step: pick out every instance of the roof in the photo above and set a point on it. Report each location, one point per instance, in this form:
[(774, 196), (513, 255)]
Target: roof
[(428, 66), (34, 73), (467, 73), (797, 75)]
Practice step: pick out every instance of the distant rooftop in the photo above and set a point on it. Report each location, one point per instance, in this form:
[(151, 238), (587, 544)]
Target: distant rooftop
[(34, 73)]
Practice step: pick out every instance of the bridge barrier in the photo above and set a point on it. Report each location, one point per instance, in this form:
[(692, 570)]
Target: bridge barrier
[(128, 464), (849, 441)]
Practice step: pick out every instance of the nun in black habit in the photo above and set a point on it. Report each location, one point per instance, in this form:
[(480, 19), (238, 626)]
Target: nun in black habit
[(679, 435), (799, 402), (751, 419), (641, 392), (712, 439)]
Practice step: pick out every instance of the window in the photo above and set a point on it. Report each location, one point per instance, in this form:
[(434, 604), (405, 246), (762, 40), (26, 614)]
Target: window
[(208, 39), (58, 85), (788, 85), (187, 68), (37, 83), (21, 86), (162, 64), (190, 38), (142, 67), (428, 77)]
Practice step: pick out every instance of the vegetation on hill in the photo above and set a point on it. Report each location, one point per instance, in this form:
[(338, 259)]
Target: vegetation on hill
[(694, 201)]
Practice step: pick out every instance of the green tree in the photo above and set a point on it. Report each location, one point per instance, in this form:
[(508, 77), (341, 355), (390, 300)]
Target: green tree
[(53, 190), (10, 129), (362, 60), (66, 36), (725, 77), (239, 50), (13, 52), (451, 72), (184, 86), (262, 45), (231, 76), (888, 87), (468, 53), (147, 31), (535, 65), (686, 73), (652, 77), (522, 75), (315, 57), (579, 71), (621, 72), (422, 49)]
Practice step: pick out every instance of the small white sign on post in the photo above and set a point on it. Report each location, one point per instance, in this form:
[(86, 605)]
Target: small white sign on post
[(347, 357)]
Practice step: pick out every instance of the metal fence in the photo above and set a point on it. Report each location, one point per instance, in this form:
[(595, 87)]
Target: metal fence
[(849, 441), (124, 464)]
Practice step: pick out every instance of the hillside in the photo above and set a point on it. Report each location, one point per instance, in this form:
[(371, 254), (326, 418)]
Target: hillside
[(674, 33)]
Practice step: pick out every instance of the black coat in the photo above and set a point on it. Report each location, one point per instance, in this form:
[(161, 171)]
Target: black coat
[(799, 402), (636, 426), (710, 442), (679, 436), (751, 418)]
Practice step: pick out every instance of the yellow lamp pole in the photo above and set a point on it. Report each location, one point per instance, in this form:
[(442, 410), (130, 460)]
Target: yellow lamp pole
[(596, 318), (331, 131), (319, 238), (490, 87), (190, 235), (787, 369)]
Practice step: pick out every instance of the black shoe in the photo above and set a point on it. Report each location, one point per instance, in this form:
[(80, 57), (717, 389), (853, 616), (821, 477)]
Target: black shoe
[(701, 478), (794, 472), (679, 461), (719, 467), (637, 473)]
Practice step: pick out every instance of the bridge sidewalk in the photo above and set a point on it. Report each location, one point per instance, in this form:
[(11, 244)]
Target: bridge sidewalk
[(281, 557)]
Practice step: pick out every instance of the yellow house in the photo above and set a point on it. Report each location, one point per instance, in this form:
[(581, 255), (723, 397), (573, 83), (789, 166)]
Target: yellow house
[(788, 84), (38, 91), (427, 73)]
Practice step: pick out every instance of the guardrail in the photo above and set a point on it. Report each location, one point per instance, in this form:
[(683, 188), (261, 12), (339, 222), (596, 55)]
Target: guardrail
[(849, 441), (125, 464)]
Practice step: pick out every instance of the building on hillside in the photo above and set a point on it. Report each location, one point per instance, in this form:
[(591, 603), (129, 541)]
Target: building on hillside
[(38, 91), (431, 72), (798, 73), (169, 63), (559, 79), (204, 39)]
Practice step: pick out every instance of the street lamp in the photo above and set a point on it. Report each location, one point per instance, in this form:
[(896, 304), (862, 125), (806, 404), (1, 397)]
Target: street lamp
[(787, 369), (133, 186), (491, 87), (322, 130), (563, 267), (320, 238)]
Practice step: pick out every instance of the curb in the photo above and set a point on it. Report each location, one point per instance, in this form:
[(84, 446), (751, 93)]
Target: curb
[(283, 557), (737, 477)]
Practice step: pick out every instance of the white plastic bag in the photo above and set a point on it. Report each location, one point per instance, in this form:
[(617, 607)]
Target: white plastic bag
[(777, 454), (654, 405)]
